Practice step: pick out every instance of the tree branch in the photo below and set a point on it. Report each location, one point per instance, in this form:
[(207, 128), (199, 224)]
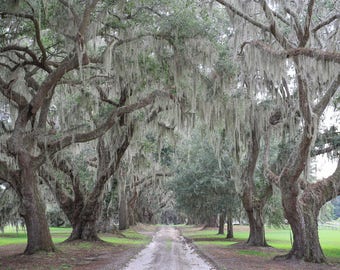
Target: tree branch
[(104, 98), (22, 49), (90, 6), (325, 150), (328, 188), (57, 145), (279, 16), (308, 20), (321, 106), (298, 27), (320, 55), (145, 8), (7, 91), (281, 39), (66, 66), (244, 16), (37, 32), (326, 22), (268, 173)]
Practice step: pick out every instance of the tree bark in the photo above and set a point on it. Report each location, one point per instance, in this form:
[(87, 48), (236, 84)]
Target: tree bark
[(310, 212), (131, 208), (221, 222), (33, 210), (123, 211), (302, 211), (302, 215), (84, 225), (256, 224), (230, 228), (252, 202)]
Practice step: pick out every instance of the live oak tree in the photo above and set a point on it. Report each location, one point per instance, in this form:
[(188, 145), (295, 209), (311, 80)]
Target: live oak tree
[(36, 56), (254, 192), (280, 36), (29, 79)]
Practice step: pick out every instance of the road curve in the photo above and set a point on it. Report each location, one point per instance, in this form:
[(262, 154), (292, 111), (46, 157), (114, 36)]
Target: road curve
[(168, 250)]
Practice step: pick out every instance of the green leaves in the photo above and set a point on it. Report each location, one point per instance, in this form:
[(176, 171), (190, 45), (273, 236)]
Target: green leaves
[(201, 188)]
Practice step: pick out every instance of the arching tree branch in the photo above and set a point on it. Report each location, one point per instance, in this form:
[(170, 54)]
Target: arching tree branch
[(320, 55), (8, 92), (57, 145), (37, 31), (297, 27), (328, 188), (244, 16), (326, 22), (281, 39), (321, 106)]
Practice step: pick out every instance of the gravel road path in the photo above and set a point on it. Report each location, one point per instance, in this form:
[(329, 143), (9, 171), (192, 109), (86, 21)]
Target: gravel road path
[(168, 250)]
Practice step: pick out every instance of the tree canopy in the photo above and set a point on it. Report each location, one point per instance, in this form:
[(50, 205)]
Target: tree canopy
[(98, 99)]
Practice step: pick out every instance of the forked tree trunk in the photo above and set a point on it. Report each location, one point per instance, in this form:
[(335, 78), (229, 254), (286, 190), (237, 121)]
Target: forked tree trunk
[(82, 213), (302, 215), (256, 226), (294, 217), (33, 212), (230, 229), (221, 222), (84, 225)]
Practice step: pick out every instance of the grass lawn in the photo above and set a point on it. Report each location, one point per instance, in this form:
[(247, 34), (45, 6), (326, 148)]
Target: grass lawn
[(131, 238), (10, 236), (278, 238)]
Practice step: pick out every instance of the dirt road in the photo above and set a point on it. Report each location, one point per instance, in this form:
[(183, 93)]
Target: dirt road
[(168, 250)]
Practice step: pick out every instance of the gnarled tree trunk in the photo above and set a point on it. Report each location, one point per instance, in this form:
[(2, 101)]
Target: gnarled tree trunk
[(84, 224), (302, 211), (33, 209), (83, 212), (256, 226)]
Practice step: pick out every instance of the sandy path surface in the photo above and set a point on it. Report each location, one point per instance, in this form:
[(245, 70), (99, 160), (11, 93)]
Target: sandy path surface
[(168, 250)]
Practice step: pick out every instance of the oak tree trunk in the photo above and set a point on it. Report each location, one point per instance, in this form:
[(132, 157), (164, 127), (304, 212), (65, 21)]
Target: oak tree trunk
[(84, 222), (302, 215), (256, 224), (221, 222), (123, 212), (252, 200), (312, 247), (230, 229), (33, 211)]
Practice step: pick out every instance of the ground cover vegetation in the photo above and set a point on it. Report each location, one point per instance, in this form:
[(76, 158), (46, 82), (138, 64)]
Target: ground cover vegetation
[(114, 113)]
